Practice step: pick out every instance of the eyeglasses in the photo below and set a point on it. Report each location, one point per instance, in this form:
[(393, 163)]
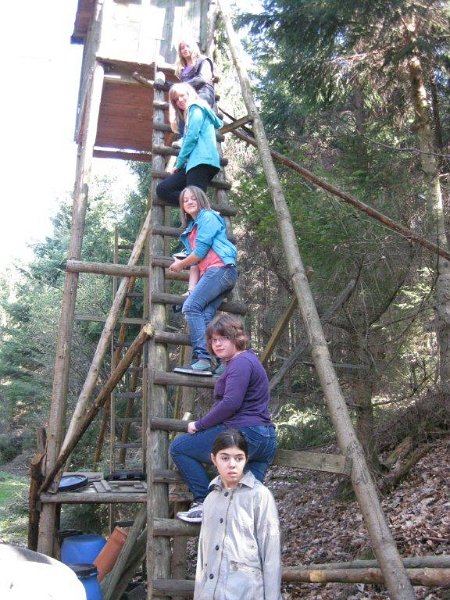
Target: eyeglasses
[(219, 340)]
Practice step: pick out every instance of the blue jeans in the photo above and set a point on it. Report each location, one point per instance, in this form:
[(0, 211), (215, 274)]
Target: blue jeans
[(201, 305), (189, 452)]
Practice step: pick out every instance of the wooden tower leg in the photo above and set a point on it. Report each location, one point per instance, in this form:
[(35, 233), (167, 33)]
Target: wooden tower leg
[(395, 575), (63, 347)]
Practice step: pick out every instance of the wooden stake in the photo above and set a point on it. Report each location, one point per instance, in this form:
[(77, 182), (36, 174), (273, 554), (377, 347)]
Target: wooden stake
[(111, 580), (278, 330), (302, 347)]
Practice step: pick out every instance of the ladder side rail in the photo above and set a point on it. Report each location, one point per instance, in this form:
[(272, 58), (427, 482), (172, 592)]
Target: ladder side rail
[(158, 549)]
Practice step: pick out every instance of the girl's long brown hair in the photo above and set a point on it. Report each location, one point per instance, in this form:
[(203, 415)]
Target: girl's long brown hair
[(202, 202)]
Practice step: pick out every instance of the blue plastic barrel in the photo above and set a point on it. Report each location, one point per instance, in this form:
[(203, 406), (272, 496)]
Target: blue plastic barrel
[(87, 574), (81, 549)]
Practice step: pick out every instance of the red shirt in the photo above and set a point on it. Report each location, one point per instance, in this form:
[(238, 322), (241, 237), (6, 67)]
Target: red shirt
[(212, 259)]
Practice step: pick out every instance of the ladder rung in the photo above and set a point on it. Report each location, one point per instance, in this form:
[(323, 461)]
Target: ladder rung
[(167, 128), (221, 185), (120, 320), (164, 230), (164, 378), (175, 232), (173, 587), (167, 476), (162, 337), (128, 420), (236, 124), (161, 105), (170, 527), (231, 307)]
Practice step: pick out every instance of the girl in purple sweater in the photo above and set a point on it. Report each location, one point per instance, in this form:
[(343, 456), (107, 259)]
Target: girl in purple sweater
[(241, 399)]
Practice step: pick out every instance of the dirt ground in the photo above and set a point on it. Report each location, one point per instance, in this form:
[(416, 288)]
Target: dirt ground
[(318, 527)]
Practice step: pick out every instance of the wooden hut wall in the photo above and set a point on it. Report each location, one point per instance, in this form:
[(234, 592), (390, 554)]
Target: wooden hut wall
[(145, 31)]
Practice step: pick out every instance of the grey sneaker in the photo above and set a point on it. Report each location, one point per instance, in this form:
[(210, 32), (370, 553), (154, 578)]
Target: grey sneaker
[(199, 367), (220, 369), (193, 515)]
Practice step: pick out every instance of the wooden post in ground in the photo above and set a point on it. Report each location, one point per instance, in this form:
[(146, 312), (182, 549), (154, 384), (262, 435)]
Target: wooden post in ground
[(279, 330), (304, 344), (394, 573), (63, 345)]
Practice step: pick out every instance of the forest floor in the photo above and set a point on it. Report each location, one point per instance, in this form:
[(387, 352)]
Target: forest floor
[(318, 527)]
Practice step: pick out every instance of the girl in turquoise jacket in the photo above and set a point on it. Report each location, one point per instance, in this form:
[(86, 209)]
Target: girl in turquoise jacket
[(211, 256), (198, 160)]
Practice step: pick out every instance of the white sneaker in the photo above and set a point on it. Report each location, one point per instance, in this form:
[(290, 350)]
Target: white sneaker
[(177, 143), (193, 515)]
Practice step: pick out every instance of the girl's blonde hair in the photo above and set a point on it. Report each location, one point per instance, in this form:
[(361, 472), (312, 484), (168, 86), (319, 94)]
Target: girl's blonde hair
[(200, 197), (180, 62), (175, 114)]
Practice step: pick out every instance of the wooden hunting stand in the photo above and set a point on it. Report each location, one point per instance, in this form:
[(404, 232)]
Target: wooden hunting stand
[(128, 46)]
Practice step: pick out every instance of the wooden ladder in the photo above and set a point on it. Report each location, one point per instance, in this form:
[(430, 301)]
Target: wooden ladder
[(163, 561)]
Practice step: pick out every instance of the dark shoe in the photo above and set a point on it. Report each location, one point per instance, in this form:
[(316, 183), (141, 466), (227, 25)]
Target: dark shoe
[(200, 367), (193, 515)]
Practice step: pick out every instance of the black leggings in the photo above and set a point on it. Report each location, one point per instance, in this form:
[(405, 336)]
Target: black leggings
[(169, 189)]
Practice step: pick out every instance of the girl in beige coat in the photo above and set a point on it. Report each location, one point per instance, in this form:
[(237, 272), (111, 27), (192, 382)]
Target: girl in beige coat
[(239, 555)]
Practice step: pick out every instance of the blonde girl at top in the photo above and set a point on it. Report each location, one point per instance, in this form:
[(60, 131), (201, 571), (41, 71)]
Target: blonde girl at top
[(196, 69)]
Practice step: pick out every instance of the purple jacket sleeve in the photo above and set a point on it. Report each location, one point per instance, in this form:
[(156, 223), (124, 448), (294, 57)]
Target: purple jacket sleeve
[(236, 384)]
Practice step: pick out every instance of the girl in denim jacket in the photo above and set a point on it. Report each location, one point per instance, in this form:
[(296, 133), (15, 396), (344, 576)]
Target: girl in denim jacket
[(212, 259)]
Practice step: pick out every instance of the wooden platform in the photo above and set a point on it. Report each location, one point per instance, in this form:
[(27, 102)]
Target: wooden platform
[(100, 491)]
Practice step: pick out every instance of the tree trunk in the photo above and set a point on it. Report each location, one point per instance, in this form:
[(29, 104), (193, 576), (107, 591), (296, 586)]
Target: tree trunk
[(365, 423), (433, 193)]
